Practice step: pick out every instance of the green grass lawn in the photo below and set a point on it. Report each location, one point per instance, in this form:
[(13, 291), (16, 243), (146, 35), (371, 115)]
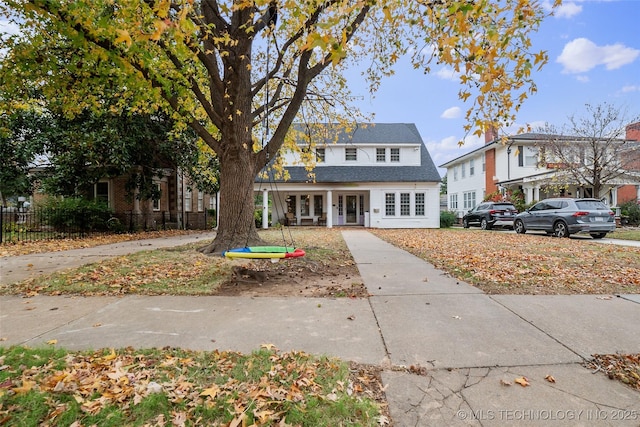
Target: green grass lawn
[(625, 234), (177, 387)]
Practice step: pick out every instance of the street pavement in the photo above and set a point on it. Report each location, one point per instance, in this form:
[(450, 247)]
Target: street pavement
[(447, 349)]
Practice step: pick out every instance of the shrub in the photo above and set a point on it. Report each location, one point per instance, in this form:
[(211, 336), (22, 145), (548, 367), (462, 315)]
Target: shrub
[(65, 214), (447, 219), (630, 210)]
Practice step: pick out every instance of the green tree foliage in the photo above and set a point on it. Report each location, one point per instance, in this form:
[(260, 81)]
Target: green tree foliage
[(209, 63), (20, 142), (90, 146)]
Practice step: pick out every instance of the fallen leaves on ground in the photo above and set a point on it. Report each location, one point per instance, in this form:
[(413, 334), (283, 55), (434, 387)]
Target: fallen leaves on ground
[(622, 367), (505, 263), (23, 247), (196, 388)]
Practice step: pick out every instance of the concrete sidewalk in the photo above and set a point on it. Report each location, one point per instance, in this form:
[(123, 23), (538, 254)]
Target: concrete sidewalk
[(416, 317)]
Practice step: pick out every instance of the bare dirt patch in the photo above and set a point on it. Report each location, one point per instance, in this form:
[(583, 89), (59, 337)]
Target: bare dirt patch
[(300, 277)]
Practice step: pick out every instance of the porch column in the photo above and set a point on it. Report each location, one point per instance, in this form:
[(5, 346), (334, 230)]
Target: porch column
[(265, 209), (329, 210)]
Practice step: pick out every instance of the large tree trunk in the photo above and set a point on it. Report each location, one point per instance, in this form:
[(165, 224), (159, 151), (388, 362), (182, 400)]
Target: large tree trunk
[(237, 226)]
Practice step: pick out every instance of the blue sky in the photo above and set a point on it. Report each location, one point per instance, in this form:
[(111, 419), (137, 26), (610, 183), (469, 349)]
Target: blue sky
[(594, 57)]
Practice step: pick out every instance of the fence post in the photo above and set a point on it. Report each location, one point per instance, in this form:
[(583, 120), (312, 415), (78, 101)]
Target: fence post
[(1, 223)]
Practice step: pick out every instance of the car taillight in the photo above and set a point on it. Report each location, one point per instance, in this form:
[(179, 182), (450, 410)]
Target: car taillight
[(493, 211), (611, 213), (580, 213)]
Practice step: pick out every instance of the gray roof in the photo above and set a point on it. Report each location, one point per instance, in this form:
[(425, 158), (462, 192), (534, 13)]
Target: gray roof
[(380, 133)]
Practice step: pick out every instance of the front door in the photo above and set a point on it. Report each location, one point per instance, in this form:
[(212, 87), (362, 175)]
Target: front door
[(352, 209)]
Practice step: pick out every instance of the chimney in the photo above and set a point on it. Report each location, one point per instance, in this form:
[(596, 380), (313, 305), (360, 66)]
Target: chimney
[(490, 135), (633, 132)]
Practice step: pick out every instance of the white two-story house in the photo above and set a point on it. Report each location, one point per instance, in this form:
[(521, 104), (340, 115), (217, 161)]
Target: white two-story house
[(523, 163), (376, 175)]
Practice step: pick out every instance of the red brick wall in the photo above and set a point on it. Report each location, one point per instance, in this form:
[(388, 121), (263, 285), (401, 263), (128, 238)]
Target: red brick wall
[(626, 193), (633, 131)]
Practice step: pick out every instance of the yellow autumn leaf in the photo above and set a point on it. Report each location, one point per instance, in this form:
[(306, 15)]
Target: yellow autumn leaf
[(52, 342), (212, 391), (123, 37), (25, 388), (523, 381), (110, 356)]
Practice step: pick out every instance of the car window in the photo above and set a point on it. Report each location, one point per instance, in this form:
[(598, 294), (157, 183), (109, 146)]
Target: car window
[(556, 204), (539, 206), (591, 205), (504, 206), (481, 207)]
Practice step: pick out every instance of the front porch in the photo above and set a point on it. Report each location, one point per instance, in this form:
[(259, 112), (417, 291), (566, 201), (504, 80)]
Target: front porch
[(322, 208)]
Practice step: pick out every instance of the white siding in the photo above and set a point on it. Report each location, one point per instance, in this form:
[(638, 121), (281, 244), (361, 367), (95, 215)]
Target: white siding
[(335, 155)]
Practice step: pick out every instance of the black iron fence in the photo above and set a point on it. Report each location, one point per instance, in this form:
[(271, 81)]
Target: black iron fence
[(39, 224)]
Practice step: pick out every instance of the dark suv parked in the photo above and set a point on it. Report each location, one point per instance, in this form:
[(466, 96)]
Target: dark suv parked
[(564, 216), (490, 214)]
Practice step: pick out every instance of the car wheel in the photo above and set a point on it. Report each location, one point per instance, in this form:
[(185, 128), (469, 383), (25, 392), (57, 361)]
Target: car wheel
[(518, 226), (560, 229), (598, 235), (484, 224), (465, 223)]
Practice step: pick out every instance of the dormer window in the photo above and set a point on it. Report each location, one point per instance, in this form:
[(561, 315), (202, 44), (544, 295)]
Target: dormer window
[(350, 154), (320, 155), (395, 155), (381, 155)]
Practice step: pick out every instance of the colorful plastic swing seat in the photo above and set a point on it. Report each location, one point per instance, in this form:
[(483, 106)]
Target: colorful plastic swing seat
[(264, 252)]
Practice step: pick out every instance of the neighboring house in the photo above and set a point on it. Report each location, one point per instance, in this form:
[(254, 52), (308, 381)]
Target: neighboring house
[(378, 175), (179, 205), (522, 163)]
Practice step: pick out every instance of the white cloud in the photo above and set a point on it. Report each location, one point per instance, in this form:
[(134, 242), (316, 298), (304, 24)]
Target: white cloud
[(581, 55), (451, 113), (447, 73), (583, 79), (566, 10), (630, 88)]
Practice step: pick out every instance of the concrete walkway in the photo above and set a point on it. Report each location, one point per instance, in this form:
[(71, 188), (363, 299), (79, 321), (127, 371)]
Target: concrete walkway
[(416, 319)]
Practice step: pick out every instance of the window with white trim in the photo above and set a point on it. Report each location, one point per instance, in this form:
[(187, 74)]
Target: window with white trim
[(453, 201), (350, 154), (200, 201), (390, 204), (472, 167), (405, 204), (381, 155), (395, 155), (187, 200), (101, 191), (469, 200), (156, 203), (531, 156), (320, 155), (455, 173), (464, 170), (419, 205)]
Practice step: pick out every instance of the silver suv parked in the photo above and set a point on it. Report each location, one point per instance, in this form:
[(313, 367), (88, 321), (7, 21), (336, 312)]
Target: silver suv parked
[(564, 216)]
